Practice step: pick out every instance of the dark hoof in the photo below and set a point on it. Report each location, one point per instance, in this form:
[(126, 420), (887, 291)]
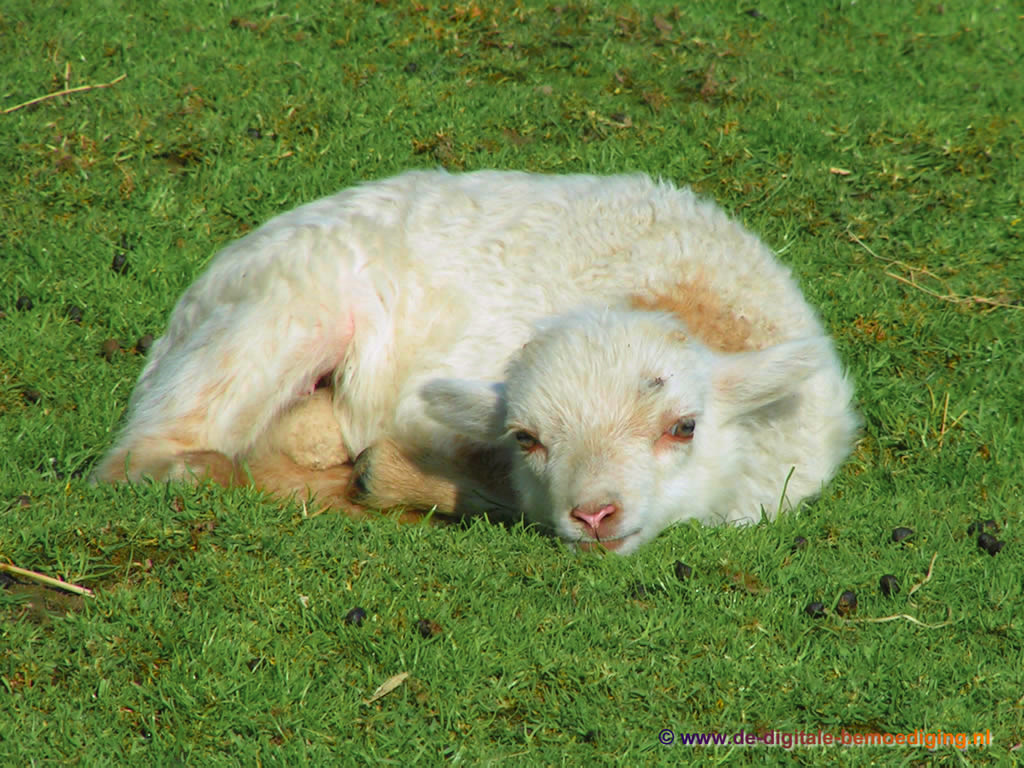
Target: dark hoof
[(359, 485)]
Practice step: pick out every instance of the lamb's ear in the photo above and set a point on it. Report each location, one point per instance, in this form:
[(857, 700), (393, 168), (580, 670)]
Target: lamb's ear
[(475, 409), (750, 380)]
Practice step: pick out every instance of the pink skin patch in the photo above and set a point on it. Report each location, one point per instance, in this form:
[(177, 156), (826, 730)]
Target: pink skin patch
[(323, 379), (320, 381)]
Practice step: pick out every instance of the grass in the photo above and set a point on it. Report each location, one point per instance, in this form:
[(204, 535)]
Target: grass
[(877, 147)]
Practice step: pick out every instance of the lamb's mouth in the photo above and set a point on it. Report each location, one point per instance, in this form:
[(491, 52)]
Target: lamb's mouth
[(608, 545)]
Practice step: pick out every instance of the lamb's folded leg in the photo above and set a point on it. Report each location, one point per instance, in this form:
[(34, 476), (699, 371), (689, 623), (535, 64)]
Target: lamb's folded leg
[(218, 385), (467, 479)]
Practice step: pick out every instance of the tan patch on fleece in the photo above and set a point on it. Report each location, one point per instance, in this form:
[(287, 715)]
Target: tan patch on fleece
[(703, 311), (210, 465), (279, 475)]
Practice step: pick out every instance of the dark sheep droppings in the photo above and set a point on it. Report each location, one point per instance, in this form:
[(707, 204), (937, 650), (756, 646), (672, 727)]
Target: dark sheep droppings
[(847, 603), (32, 396), (144, 343), (74, 313), (888, 585), (355, 617), (799, 543), (428, 628), (110, 349), (990, 543), (683, 571), (23, 304), (24, 500), (982, 526), (50, 465), (638, 591), (120, 263), (901, 534), (815, 610)]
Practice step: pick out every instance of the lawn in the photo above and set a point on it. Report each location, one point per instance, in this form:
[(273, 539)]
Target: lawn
[(879, 148)]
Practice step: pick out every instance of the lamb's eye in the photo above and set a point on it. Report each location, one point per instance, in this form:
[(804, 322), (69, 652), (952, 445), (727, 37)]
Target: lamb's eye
[(682, 430), (527, 441)]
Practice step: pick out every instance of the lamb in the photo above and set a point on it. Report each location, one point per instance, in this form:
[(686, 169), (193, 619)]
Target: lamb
[(603, 356)]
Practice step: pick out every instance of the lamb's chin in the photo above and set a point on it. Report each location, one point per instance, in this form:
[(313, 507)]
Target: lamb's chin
[(621, 545)]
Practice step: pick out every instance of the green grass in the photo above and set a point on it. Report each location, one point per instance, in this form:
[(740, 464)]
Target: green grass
[(877, 146)]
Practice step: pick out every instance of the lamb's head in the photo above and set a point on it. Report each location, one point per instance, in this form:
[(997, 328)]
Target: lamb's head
[(621, 424)]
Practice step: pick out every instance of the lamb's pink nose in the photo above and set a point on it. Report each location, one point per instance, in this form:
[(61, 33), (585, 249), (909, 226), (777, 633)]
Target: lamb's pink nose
[(593, 513)]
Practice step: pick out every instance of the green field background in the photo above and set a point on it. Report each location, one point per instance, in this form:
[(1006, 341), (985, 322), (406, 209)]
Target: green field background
[(876, 146)]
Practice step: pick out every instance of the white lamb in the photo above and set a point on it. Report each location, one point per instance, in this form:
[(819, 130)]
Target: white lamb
[(604, 356)]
